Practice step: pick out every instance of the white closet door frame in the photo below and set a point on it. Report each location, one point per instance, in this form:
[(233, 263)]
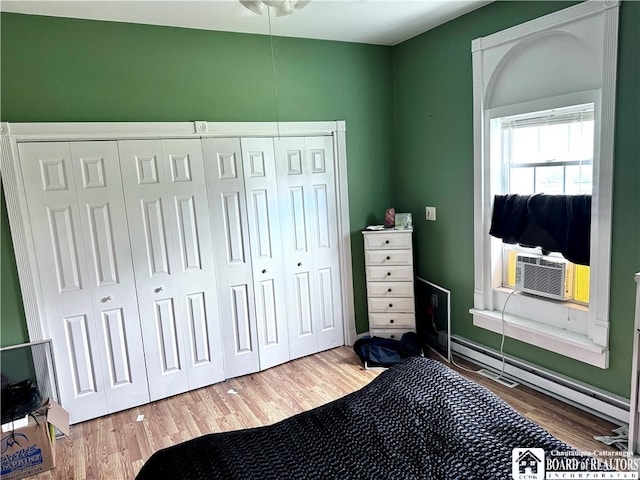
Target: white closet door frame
[(13, 133)]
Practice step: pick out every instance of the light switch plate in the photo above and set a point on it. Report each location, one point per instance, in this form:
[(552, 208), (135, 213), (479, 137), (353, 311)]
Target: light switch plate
[(430, 213)]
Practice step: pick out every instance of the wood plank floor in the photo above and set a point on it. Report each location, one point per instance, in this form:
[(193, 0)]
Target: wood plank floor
[(116, 446)]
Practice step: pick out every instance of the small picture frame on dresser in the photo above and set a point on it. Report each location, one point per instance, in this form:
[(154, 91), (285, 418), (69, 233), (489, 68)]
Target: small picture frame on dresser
[(403, 221)]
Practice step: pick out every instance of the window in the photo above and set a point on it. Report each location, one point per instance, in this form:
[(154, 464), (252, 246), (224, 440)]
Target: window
[(544, 98), (550, 152)]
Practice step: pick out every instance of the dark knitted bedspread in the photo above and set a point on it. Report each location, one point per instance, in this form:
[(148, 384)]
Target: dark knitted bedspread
[(417, 420)]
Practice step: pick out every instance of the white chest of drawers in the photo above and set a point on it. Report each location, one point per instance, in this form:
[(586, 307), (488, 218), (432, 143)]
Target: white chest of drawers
[(389, 273)]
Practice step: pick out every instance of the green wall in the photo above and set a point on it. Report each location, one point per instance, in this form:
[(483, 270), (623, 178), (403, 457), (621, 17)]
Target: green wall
[(13, 329), (60, 70), (408, 110), (434, 139)]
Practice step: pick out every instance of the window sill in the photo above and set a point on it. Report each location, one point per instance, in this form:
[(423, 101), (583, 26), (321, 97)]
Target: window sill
[(569, 344)]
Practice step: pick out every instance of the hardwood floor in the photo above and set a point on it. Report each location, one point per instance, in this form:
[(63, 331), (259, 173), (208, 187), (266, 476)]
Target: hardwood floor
[(116, 446)]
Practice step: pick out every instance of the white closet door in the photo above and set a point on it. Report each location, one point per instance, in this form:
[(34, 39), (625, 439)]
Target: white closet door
[(324, 240), (224, 172), (195, 267), (266, 250), (74, 196), (173, 259), (310, 243)]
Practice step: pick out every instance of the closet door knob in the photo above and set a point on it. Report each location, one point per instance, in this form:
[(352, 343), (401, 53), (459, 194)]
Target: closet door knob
[(299, 264), (264, 270), (158, 289), (107, 299)]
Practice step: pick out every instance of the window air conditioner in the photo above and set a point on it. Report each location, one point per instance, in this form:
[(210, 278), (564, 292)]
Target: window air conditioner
[(545, 276)]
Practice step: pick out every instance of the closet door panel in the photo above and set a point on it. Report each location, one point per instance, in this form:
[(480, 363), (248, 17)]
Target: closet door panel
[(324, 237), (155, 236), (241, 320), (118, 356), (304, 325), (199, 328), (291, 160), (62, 222), (228, 210), (168, 335), (83, 363), (310, 242), (261, 192), (232, 205), (266, 299), (154, 252), (103, 221), (173, 255), (326, 282), (194, 266)]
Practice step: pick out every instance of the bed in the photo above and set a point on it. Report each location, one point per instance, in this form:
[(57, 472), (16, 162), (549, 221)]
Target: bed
[(416, 420)]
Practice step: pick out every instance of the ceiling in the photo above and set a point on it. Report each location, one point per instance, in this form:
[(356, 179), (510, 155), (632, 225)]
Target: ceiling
[(378, 22)]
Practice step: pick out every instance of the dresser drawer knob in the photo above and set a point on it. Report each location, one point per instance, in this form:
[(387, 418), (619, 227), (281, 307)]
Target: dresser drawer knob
[(388, 258), (392, 336), (387, 242), (388, 274), (391, 305), (391, 321), (389, 290)]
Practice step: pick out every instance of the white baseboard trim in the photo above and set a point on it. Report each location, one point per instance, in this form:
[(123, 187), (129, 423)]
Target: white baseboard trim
[(586, 397)]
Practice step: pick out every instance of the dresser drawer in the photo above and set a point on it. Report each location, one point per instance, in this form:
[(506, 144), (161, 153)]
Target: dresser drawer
[(388, 257), (392, 273), (387, 241), (388, 305), (390, 333), (398, 320), (390, 289)]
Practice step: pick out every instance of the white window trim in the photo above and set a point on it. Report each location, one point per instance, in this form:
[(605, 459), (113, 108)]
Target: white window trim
[(592, 346)]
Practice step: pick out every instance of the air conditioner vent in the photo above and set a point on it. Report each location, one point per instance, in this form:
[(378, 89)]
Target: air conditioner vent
[(543, 276)]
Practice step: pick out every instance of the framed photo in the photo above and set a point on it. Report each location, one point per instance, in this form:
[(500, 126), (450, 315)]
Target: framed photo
[(403, 221)]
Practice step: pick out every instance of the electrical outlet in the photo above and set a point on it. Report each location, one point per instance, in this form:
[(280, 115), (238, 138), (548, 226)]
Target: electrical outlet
[(434, 300), (430, 213)]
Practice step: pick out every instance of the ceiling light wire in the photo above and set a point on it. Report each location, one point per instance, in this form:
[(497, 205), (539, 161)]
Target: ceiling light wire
[(273, 70)]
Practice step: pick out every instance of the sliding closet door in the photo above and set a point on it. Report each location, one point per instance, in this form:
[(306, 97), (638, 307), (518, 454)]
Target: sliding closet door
[(173, 257), (306, 183), (261, 192), (77, 216), (224, 171)]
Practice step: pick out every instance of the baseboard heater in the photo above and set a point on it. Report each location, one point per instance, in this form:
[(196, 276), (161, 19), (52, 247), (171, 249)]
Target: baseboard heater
[(597, 402)]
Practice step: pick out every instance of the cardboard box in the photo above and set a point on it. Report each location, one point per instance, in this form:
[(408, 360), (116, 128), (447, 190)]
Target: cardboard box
[(30, 449)]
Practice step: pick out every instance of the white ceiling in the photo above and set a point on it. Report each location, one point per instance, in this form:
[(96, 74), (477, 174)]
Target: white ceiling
[(379, 22)]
